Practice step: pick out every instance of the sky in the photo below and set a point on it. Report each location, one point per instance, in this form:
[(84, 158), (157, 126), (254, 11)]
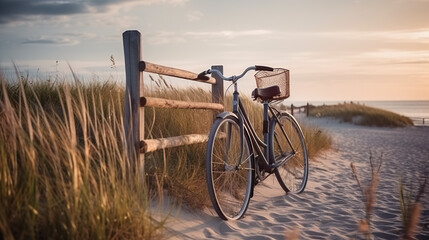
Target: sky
[(335, 49)]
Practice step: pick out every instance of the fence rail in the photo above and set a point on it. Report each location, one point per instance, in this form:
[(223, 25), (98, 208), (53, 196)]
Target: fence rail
[(304, 108), (168, 103), (151, 145), (173, 72), (135, 101)]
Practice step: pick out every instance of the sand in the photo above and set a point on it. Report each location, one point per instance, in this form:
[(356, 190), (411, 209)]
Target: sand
[(331, 205)]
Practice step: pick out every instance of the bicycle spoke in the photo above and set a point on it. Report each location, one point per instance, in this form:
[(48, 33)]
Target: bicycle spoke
[(289, 150), (229, 171), (245, 161)]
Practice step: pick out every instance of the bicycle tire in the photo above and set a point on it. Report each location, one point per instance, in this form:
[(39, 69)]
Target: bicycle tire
[(293, 174), (230, 184)]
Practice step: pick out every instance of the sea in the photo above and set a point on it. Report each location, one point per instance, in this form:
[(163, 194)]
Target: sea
[(418, 111)]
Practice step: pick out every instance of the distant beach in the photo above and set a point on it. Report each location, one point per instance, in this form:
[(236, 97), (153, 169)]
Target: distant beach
[(416, 110)]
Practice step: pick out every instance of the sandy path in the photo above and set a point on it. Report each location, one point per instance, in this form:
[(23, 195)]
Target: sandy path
[(331, 205)]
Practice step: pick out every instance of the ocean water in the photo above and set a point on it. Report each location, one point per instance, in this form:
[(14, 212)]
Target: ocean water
[(406, 108), (416, 110)]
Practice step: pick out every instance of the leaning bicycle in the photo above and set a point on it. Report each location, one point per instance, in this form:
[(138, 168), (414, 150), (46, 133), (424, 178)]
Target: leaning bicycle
[(237, 159)]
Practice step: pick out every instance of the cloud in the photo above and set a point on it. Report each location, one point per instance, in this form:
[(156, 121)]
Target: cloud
[(399, 61), (230, 34), (164, 37), (425, 62), (171, 2), (194, 16), (23, 10), (56, 41), (416, 35), (12, 10), (60, 39), (40, 7), (167, 37)]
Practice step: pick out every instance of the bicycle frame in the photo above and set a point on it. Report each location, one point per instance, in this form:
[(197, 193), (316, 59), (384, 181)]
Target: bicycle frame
[(238, 109), (263, 155)]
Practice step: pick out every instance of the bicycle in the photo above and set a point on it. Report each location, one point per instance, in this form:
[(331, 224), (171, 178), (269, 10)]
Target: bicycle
[(237, 159)]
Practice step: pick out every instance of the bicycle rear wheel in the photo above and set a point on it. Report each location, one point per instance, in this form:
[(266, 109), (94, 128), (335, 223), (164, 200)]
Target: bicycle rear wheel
[(229, 168), (287, 144)]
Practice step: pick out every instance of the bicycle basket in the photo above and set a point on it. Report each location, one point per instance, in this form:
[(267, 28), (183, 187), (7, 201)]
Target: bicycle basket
[(279, 77)]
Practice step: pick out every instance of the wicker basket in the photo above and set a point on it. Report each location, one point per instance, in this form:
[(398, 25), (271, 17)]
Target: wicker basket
[(279, 77)]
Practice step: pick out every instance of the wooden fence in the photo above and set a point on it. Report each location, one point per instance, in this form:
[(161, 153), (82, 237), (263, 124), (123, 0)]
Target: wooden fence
[(420, 121), (135, 101), (304, 108)]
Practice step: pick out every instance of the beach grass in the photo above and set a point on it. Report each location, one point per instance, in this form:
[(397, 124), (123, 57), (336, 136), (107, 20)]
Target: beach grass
[(410, 199), (64, 171), (360, 114), (316, 139), (368, 191)]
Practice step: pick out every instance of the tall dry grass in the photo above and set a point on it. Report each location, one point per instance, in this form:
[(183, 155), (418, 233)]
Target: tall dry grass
[(368, 190), (64, 171), (178, 171), (410, 201), (316, 139)]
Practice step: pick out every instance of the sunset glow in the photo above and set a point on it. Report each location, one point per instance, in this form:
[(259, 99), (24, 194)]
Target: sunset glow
[(335, 49)]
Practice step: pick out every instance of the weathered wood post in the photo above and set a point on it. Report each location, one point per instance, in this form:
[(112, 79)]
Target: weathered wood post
[(291, 109), (217, 89), (308, 109), (133, 115)]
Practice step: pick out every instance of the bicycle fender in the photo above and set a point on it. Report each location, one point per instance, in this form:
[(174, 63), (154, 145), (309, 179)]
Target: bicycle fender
[(226, 114)]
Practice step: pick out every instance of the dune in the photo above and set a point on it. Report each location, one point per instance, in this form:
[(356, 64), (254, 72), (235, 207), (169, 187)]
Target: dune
[(332, 205)]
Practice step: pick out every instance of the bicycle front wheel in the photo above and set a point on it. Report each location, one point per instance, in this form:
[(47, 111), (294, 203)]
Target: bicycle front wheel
[(229, 168), (288, 145)]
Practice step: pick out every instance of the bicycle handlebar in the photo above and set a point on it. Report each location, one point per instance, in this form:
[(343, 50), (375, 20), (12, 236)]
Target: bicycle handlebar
[(234, 78), (263, 68)]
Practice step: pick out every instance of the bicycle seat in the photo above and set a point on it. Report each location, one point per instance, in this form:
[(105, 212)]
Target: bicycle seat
[(266, 94)]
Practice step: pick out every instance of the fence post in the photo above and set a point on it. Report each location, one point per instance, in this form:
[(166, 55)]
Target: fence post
[(133, 115), (308, 109), (217, 89), (291, 109)]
